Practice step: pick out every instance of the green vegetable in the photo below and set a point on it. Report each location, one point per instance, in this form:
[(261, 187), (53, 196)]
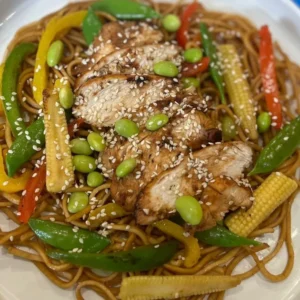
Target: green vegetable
[(126, 128), (95, 179), (190, 81), (211, 52), (139, 259), (25, 146), (80, 146), (126, 167), (280, 148), (189, 209), (9, 86), (193, 55), (96, 141), (228, 128), (55, 53), (77, 202), (165, 68), (264, 122), (171, 23), (91, 26), (84, 163), (67, 238), (222, 237), (66, 97), (156, 122)]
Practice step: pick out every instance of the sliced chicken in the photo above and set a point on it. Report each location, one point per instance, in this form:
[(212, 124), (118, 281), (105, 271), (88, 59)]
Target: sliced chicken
[(204, 168), (134, 60)]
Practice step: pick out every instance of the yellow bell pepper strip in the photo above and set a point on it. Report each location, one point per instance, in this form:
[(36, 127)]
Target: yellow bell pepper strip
[(12, 185), (192, 248), (1, 105), (54, 27)]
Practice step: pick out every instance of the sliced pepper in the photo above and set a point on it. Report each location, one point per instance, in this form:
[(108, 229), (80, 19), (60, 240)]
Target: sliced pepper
[(91, 26), (74, 125), (139, 259), (9, 85), (189, 70), (1, 74), (192, 249), (222, 237), (67, 238)]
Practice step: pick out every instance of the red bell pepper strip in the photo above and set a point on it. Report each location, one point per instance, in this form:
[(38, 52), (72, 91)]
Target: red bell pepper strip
[(74, 125), (33, 190), (182, 32), (190, 70), (268, 73)]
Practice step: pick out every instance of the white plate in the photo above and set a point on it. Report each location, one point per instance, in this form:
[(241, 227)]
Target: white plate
[(20, 280)]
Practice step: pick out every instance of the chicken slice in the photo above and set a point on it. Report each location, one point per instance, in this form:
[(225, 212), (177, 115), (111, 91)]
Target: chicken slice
[(134, 60), (204, 168)]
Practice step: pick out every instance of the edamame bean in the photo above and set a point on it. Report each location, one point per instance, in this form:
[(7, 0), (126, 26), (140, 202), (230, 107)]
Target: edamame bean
[(171, 23), (96, 141), (80, 146), (126, 128), (189, 209), (84, 164), (77, 202), (228, 128), (66, 97), (156, 122), (193, 55), (264, 122), (126, 167), (165, 68), (190, 81), (95, 179), (55, 53)]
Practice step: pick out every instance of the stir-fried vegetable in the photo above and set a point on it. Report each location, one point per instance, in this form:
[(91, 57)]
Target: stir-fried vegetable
[(126, 128), (80, 146), (66, 97), (276, 189), (189, 70), (220, 236), (165, 68), (55, 53), (263, 122), (91, 26), (171, 23), (189, 209), (32, 192), (171, 287), (25, 146), (156, 122), (68, 238), (84, 163), (139, 259), (268, 75), (211, 52), (60, 173), (94, 179), (9, 86), (190, 82), (96, 141), (238, 89), (126, 167), (1, 74), (77, 202), (192, 249), (281, 147), (193, 55), (228, 128), (74, 125)]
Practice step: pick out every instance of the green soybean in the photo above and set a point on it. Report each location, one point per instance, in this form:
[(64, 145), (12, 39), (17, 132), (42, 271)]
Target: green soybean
[(80, 146), (193, 55), (126, 167), (84, 163), (171, 23), (165, 68), (96, 141), (55, 53), (95, 179), (126, 128), (189, 209), (77, 202), (190, 81), (228, 128), (66, 97), (156, 122), (264, 122)]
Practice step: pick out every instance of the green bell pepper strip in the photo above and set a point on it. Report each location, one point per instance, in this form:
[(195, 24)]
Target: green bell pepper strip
[(9, 85), (211, 51), (65, 238), (222, 237), (25, 146), (140, 259), (281, 147), (91, 26)]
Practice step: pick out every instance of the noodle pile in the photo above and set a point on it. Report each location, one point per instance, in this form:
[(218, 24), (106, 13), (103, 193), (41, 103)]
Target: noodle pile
[(225, 28)]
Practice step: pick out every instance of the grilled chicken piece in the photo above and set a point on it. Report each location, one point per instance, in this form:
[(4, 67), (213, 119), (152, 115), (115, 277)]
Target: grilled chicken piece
[(102, 101), (200, 175), (135, 60), (118, 35), (157, 152)]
